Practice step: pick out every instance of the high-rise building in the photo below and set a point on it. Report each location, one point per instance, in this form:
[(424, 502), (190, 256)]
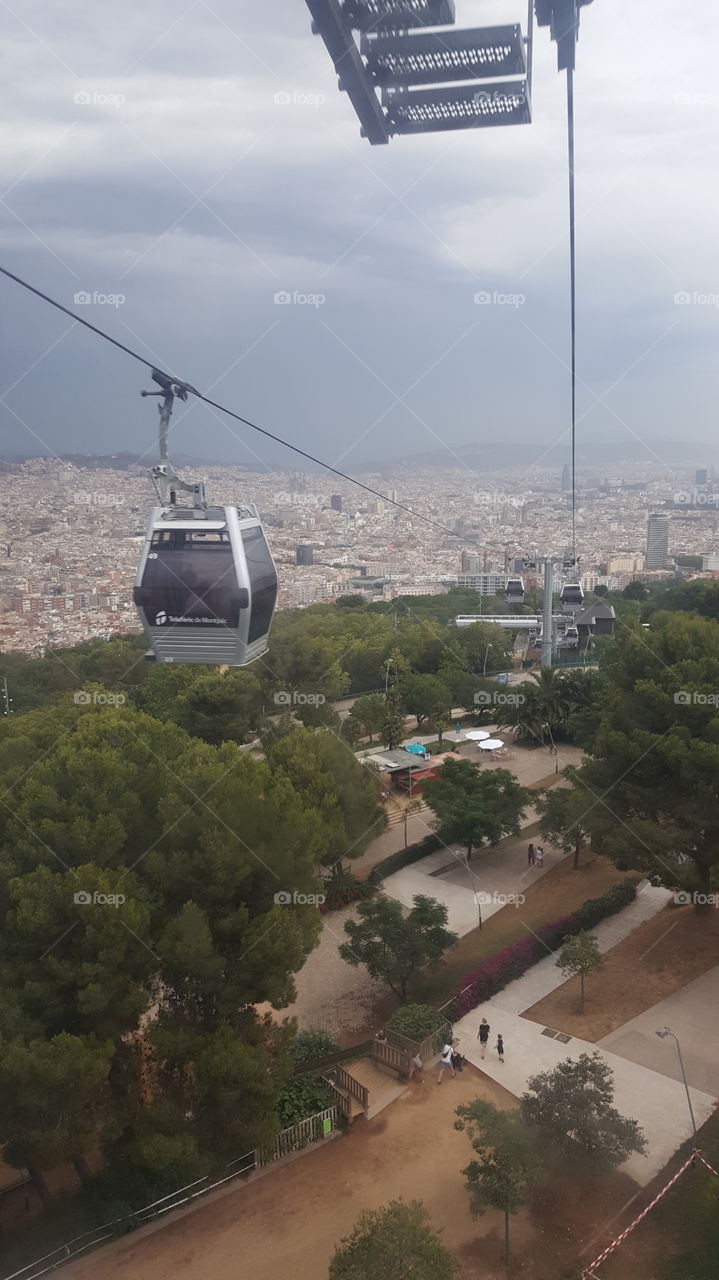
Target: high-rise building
[(657, 542), (304, 554), (336, 502), (566, 478), (701, 477)]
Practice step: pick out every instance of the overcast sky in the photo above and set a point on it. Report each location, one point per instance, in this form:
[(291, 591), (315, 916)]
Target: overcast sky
[(186, 187)]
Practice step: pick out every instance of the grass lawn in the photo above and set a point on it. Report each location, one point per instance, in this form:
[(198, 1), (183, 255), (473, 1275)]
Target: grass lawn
[(558, 892), (660, 956)]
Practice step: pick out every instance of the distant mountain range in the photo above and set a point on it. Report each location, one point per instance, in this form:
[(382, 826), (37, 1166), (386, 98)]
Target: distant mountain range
[(502, 455), (493, 455)]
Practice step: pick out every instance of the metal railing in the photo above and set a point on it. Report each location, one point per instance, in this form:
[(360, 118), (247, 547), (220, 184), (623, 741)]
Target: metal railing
[(294, 1138)]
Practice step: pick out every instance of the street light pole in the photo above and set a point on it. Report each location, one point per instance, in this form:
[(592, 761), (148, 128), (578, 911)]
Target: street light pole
[(666, 1031), (461, 854)]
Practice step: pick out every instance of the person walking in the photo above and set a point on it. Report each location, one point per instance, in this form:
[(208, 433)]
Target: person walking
[(446, 1060), (500, 1047), (417, 1068), (530, 856), (539, 856), (483, 1036)]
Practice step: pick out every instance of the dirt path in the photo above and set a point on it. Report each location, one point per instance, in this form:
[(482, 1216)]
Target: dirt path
[(292, 1218)]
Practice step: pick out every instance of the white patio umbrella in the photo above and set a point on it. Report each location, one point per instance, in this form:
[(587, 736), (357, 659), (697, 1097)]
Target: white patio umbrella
[(491, 744), (477, 735)]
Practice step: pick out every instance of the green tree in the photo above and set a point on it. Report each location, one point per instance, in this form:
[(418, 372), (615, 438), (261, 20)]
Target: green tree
[(657, 753), (635, 590), (508, 1166), (54, 1100), (573, 1109), (564, 820), (369, 712), (392, 729), (579, 957), (394, 946), (475, 808), (426, 697), (395, 1241), (343, 792), (601, 590), (138, 874)]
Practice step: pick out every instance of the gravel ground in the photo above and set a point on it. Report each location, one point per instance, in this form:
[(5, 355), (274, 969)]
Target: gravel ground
[(331, 993)]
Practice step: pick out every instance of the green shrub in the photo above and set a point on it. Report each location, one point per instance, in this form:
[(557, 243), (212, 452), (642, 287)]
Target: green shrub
[(301, 1097), (405, 857), (415, 1021), (310, 1044)]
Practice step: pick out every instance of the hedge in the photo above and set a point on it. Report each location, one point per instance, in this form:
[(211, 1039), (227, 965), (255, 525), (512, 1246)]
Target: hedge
[(415, 1021), (511, 962), (404, 858)]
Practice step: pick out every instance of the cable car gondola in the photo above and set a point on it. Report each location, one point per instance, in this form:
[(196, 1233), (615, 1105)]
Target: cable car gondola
[(572, 597), (514, 590), (206, 584)]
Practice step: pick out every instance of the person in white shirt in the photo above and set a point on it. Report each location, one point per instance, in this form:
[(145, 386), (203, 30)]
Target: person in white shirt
[(446, 1061)]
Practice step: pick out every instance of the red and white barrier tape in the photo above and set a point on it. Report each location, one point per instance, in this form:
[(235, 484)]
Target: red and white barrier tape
[(589, 1271)]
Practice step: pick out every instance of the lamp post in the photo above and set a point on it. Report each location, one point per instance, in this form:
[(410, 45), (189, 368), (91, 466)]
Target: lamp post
[(663, 1033), (461, 856)]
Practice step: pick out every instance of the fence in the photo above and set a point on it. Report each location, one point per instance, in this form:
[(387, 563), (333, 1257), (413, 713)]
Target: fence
[(344, 1080), (425, 1048), (390, 1055), (292, 1139)]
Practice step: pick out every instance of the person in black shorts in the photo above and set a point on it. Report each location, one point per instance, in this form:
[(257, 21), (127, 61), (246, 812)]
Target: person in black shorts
[(500, 1048)]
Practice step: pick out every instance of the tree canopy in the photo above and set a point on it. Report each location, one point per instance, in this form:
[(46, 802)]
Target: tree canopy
[(396, 1241), (573, 1109), (475, 808), (395, 946)]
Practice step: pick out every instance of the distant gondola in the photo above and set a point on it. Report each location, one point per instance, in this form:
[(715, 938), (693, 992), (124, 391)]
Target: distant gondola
[(514, 590), (572, 597)]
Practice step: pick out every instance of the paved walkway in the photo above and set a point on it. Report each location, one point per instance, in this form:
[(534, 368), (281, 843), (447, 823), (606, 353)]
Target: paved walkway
[(493, 877), (647, 1078), (693, 1015), (657, 1102), (530, 765)]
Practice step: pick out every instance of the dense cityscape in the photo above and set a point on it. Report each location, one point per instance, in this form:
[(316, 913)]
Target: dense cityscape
[(71, 538)]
